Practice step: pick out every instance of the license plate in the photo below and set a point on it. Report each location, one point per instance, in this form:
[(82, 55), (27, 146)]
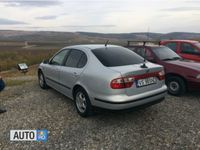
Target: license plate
[(145, 82)]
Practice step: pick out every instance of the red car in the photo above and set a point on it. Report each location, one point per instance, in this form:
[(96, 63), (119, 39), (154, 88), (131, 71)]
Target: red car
[(181, 75), (187, 49)]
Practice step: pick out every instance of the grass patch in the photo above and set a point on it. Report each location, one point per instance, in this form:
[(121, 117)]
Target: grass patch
[(32, 71), (10, 58)]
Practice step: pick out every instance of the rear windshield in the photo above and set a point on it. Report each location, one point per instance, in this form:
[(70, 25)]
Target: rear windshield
[(117, 56), (164, 53)]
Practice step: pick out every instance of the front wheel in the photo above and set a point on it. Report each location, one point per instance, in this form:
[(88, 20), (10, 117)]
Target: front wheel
[(82, 103), (176, 86), (42, 81)]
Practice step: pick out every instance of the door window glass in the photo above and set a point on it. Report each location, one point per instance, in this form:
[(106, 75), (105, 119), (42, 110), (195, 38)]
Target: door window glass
[(74, 58), (59, 58), (172, 45), (188, 48), (140, 51)]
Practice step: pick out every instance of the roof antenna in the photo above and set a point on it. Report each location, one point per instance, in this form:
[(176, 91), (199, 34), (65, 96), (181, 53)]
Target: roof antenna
[(144, 43), (106, 43), (145, 51), (144, 64), (148, 29)]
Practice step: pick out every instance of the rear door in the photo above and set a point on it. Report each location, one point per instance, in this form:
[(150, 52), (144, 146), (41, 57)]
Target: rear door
[(189, 51), (72, 69)]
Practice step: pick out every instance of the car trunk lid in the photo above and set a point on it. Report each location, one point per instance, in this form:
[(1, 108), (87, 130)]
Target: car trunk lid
[(145, 79)]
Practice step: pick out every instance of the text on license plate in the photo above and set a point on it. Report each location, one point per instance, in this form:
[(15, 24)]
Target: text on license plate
[(145, 82)]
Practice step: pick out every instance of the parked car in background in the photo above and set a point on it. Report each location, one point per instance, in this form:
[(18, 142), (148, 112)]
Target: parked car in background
[(187, 49), (110, 77), (181, 75)]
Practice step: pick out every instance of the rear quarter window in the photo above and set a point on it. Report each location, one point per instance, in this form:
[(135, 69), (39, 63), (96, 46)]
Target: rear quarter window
[(117, 56)]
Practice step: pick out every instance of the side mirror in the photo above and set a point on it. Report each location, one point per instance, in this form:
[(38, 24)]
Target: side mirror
[(46, 61)]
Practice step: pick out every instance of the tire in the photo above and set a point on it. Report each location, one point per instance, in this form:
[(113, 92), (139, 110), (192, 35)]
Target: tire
[(42, 81), (176, 86), (82, 103)]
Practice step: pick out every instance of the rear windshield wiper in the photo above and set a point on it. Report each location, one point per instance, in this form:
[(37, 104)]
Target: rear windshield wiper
[(166, 59)]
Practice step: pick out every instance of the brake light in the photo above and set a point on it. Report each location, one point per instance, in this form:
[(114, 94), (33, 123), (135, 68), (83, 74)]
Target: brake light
[(161, 75), (121, 83), (127, 82)]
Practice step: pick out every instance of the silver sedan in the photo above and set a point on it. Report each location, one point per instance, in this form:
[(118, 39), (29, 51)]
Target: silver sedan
[(110, 77)]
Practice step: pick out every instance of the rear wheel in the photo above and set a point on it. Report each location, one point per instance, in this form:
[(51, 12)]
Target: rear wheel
[(82, 103), (42, 81), (176, 85)]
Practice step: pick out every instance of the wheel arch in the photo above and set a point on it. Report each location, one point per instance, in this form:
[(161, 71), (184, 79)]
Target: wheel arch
[(177, 75), (77, 86), (39, 70)]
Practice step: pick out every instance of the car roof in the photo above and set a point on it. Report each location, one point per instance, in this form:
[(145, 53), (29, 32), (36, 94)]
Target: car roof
[(90, 46), (188, 41), (148, 46)]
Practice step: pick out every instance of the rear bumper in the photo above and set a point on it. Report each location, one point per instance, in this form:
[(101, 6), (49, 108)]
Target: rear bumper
[(133, 101)]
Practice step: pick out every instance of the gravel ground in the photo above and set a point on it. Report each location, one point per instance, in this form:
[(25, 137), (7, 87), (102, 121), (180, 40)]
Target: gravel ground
[(172, 124)]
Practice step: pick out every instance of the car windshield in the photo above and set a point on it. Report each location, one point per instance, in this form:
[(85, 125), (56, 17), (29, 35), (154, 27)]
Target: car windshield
[(198, 45), (164, 53), (117, 56)]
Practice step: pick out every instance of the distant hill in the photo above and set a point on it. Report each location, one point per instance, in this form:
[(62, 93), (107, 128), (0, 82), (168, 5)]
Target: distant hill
[(81, 37)]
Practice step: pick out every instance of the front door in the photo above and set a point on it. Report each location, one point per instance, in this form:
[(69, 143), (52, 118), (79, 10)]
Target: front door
[(52, 70), (188, 51)]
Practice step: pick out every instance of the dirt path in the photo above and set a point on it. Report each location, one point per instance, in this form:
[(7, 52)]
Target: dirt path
[(172, 124)]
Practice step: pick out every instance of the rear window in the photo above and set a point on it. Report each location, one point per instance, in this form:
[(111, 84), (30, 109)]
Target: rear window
[(164, 53), (117, 56)]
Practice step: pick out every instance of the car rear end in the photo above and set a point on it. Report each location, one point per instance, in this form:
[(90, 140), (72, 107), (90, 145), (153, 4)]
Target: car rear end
[(134, 84)]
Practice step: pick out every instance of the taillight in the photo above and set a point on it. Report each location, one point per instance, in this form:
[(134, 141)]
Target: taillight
[(161, 75), (120, 83), (127, 82)]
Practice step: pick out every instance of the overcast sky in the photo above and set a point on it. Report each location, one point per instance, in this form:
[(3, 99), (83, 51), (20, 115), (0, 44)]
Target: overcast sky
[(108, 16)]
